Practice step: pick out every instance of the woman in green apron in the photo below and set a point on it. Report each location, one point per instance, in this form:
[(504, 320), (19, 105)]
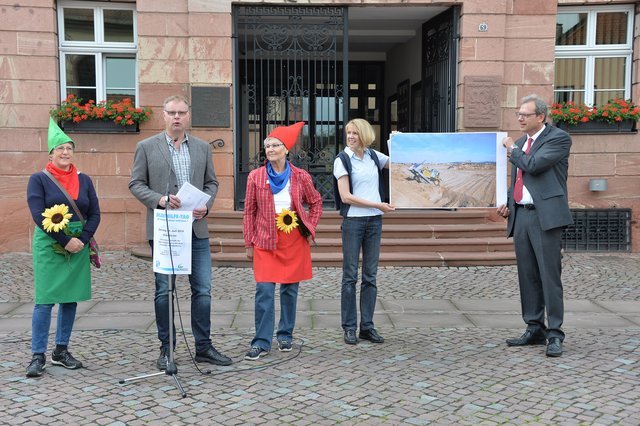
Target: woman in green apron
[(60, 249)]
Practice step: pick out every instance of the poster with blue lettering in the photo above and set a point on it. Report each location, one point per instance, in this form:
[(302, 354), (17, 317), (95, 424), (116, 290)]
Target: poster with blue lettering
[(447, 170), (172, 241)]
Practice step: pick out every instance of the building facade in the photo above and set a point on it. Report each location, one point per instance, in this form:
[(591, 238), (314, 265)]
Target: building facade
[(428, 66)]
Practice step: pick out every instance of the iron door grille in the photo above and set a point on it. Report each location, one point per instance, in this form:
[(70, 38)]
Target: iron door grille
[(598, 230)]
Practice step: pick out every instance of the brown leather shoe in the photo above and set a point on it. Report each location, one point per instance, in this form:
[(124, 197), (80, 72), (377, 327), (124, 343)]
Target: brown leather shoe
[(554, 348), (528, 338)]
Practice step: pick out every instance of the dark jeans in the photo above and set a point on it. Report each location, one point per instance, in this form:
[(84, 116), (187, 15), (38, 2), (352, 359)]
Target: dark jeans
[(360, 233), (200, 280)]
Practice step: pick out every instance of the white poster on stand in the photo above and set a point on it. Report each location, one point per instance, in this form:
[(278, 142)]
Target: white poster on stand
[(172, 241)]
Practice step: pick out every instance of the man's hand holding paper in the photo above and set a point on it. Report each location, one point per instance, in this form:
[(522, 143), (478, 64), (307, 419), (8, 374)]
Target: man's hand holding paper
[(192, 199)]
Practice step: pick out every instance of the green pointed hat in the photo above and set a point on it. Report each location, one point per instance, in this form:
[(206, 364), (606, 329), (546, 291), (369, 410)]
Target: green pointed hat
[(56, 136)]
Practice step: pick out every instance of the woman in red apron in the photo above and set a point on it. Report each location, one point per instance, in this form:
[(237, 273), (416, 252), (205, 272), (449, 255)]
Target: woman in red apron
[(277, 233)]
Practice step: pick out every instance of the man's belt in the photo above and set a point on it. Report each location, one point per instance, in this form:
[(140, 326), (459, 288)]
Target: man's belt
[(527, 206)]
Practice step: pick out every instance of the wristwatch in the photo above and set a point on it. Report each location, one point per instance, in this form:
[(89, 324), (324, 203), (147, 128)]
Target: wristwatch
[(514, 146)]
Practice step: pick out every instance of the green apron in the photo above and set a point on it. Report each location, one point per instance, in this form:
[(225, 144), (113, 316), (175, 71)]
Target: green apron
[(59, 278)]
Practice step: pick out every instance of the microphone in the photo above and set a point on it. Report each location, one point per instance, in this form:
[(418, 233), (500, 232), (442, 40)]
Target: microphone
[(166, 191)]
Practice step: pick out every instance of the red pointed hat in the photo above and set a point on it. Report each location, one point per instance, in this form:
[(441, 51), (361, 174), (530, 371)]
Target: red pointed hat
[(288, 135)]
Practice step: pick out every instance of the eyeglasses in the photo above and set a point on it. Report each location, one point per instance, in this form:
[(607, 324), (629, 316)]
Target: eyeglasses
[(173, 113), (520, 115), (64, 148), (272, 145)]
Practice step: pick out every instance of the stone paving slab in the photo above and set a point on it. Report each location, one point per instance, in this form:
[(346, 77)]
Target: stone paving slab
[(444, 360), (421, 376)]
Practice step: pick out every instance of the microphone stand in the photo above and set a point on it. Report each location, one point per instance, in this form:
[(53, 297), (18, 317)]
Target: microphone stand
[(172, 369)]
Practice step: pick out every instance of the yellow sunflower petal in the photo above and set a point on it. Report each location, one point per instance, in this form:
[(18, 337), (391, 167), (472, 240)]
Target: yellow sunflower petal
[(56, 218), (286, 221)]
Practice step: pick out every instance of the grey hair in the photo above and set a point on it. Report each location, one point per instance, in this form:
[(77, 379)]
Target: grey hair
[(541, 105)]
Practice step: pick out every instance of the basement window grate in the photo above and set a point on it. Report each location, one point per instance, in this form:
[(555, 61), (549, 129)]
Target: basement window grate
[(598, 230)]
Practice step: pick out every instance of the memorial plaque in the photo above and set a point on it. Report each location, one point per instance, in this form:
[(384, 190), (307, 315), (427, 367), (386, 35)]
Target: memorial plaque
[(210, 106), (482, 101)]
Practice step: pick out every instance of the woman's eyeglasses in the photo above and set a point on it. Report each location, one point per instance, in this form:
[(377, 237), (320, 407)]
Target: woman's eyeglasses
[(272, 145)]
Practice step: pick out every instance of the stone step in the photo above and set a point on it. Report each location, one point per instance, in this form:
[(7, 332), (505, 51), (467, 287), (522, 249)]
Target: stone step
[(465, 237), (462, 230), (388, 245)]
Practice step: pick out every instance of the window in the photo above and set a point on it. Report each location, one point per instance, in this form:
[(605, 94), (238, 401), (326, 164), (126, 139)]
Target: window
[(593, 54), (98, 45)]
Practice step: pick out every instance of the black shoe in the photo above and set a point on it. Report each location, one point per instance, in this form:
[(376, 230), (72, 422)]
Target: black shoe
[(65, 359), (212, 356), (554, 348), (163, 359), (528, 338), (284, 346), (36, 367), (350, 337), (371, 335), (255, 353)]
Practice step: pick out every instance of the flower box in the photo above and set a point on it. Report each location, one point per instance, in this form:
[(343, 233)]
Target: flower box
[(97, 126), (624, 126), (108, 116)]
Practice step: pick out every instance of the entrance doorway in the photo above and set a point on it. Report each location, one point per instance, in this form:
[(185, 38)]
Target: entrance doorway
[(293, 63)]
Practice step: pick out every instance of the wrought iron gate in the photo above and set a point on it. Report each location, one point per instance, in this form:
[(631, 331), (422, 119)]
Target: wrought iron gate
[(439, 78), (291, 66)]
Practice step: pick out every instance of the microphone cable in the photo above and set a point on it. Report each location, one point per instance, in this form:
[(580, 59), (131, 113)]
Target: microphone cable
[(174, 288)]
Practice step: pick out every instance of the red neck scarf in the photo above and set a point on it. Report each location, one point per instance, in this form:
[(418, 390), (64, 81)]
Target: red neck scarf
[(68, 179)]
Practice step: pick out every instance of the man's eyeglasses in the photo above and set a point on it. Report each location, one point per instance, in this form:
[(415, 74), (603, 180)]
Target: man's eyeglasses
[(173, 113), (272, 145), (520, 115)]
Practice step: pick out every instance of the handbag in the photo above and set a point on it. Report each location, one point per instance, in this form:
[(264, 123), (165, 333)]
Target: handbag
[(94, 250)]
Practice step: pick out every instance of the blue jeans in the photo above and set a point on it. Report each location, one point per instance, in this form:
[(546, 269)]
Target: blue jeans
[(360, 233), (200, 280), (41, 321), (266, 315)]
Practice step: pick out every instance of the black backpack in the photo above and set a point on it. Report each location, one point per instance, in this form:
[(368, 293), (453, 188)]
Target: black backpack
[(346, 162)]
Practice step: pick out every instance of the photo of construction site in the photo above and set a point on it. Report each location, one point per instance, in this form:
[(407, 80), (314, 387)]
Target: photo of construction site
[(447, 170)]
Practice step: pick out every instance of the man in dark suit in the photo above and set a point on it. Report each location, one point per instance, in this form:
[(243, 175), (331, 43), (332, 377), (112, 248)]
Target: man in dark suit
[(161, 165), (538, 210)]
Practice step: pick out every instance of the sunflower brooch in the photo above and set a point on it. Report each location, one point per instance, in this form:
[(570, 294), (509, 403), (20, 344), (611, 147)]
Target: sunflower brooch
[(286, 221), (56, 218)]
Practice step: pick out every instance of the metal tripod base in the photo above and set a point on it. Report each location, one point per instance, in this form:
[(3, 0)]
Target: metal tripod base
[(171, 369)]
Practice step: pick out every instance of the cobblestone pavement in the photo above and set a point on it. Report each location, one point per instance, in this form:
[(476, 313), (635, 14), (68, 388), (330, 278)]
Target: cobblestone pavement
[(444, 360)]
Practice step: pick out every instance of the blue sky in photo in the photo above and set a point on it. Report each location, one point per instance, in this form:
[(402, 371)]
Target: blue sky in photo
[(443, 147)]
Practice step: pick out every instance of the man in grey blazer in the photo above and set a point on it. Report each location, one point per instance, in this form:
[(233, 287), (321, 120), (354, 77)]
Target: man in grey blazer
[(161, 165), (538, 210)]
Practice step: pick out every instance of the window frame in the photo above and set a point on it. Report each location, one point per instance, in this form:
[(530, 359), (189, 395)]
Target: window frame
[(100, 49), (592, 51)]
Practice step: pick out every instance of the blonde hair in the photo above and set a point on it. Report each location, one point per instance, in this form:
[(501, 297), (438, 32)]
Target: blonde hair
[(365, 131)]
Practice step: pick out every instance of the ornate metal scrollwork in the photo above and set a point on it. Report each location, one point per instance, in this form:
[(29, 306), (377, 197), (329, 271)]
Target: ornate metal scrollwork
[(216, 143)]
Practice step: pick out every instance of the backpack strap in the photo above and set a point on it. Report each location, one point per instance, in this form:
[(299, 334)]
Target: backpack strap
[(346, 162), (376, 160)]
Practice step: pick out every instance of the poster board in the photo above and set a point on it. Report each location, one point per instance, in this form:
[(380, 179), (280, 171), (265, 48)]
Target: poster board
[(447, 170)]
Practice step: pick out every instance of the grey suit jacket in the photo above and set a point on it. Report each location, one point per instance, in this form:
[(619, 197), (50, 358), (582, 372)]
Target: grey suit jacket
[(545, 171), (153, 170)]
